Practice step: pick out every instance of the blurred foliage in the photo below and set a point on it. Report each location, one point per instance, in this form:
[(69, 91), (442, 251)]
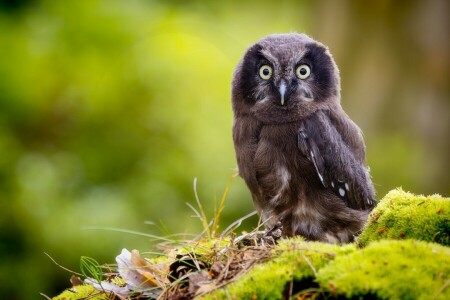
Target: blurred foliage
[(110, 109)]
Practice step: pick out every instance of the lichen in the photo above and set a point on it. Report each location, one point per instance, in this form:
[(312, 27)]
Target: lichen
[(84, 291), (292, 269), (402, 215), (390, 270)]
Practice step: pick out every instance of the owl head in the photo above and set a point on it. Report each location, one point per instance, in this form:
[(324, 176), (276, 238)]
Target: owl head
[(284, 78)]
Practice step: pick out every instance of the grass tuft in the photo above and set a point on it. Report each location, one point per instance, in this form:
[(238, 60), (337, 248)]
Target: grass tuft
[(90, 268), (257, 265)]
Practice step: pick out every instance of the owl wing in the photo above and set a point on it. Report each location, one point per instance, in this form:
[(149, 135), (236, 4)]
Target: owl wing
[(338, 162)]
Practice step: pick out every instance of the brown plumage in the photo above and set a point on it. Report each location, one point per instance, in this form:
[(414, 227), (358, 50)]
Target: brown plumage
[(301, 156)]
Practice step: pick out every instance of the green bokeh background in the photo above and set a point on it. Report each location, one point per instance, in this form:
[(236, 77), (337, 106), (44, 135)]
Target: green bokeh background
[(110, 109)]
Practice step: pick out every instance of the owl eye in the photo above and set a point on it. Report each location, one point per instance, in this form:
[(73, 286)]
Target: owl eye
[(265, 72), (303, 71)]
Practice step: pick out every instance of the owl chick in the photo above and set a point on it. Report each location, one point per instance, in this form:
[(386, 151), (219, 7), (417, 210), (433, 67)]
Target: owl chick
[(299, 153)]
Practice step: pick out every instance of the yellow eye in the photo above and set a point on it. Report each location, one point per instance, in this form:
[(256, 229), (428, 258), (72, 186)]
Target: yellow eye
[(303, 71), (265, 72)]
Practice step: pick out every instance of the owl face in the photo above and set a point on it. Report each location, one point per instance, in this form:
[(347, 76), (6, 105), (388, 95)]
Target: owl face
[(285, 77)]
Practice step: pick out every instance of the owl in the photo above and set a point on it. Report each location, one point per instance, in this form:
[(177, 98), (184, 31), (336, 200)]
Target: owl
[(301, 156)]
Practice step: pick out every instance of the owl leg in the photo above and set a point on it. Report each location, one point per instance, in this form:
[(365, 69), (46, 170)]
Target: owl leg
[(272, 235)]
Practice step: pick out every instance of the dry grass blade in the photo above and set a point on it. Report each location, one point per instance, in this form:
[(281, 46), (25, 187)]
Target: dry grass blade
[(236, 224), (218, 212), (444, 286), (45, 296), (203, 218), (197, 214), (156, 237), (64, 268), (309, 263)]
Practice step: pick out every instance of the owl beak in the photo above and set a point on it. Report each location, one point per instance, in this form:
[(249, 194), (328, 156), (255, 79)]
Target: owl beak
[(282, 90)]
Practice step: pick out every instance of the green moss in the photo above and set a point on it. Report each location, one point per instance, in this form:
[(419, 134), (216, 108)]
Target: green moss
[(82, 292), (205, 247), (402, 215), (390, 270), (294, 261), (400, 259)]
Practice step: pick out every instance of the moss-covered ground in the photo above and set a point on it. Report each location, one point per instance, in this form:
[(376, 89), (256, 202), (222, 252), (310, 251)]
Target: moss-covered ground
[(390, 270), (402, 215), (403, 253), (84, 291), (293, 268)]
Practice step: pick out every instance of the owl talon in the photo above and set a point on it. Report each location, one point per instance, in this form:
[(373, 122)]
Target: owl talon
[(271, 236)]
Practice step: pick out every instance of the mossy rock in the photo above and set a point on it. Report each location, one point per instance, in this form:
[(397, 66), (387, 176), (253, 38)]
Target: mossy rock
[(389, 270), (396, 257), (84, 291), (292, 268), (402, 215)]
